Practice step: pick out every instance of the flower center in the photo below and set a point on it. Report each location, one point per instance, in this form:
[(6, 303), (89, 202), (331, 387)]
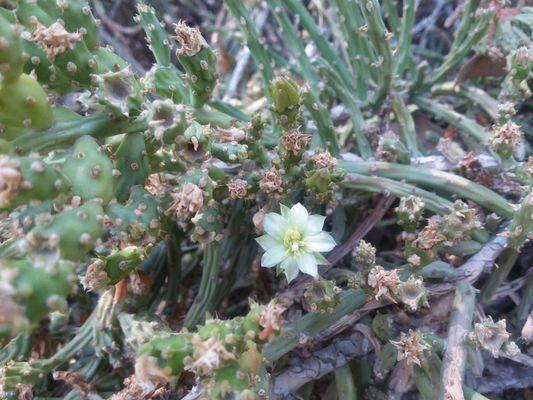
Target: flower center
[(293, 241)]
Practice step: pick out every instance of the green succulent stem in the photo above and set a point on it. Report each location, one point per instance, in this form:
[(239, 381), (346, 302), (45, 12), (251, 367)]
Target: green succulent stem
[(377, 184), (64, 132), (471, 30), (312, 324), (503, 268), (344, 381), (407, 125), (473, 94), (465, 125), (434, 179), (403, 49), (208, 285), (454, 359)]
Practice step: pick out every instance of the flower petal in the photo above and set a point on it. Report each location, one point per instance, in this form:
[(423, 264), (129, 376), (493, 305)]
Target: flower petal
[(290, 268), (307, 264), (284, 211), (273, 256), (315, 223), (266, 241), (320, 259), (298, 216), (274, 224), (320, 242)]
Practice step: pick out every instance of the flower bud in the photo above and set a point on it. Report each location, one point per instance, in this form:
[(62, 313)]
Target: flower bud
[(285, 99)]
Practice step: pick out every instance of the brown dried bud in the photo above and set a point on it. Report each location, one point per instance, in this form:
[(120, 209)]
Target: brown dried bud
[(238, 188), (189, 39), (271, 181), (411, 347), (505, 138), (54, 39), (383, 282), (188, 201), (294, 140), (324, 160)]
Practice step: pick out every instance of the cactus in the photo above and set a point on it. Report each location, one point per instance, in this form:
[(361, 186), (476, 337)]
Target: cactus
[(31, 291), (89, 171), (368, 163)]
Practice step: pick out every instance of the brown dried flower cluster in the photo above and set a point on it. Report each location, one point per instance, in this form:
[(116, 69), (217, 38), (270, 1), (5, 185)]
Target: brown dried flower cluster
[(506, 138), (189, 39), (207, 356), (411, 347), (187, 201), (271, 181), (324, 160), (54, 39), (294, 140), (238, 188), (429, 236), (270, 319), (383, 282)]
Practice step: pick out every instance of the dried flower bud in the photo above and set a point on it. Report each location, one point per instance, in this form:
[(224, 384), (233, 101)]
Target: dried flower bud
[(54, 39), (324, 160), (430, 236), (492, 336), (411, 347), (188, 200), (208, 355), (412, 293), (271, 319), (506, 111), (271, 181), (383, 282), (460, 222), (189, 39), (238, 188), (294, 141)]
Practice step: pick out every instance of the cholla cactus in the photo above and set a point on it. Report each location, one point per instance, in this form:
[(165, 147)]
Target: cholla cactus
[(132, 197)]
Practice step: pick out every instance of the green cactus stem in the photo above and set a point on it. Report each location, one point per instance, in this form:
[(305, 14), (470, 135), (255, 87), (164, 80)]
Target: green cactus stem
[(89, 170), (312, 324), (454, 359), (435, 179), (72, 232)]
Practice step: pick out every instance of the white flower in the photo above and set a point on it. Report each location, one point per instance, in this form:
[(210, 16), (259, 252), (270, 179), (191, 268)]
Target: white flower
[(294, 241)]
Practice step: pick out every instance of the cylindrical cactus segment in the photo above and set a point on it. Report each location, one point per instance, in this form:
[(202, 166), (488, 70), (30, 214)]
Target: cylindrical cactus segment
[(72, 232), (23, 179), (109, 270), (198, 61), (11, 59), (29, 291), (24, 106), (90, 171)]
